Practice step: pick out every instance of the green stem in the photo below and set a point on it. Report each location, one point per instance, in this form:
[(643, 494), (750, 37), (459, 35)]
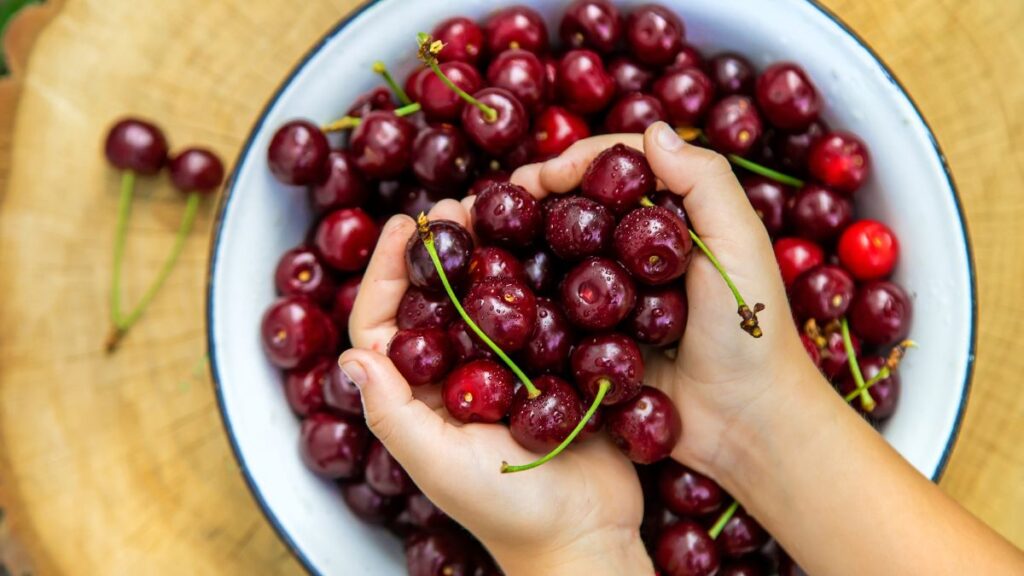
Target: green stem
[(490, 114), (602, 389), (723, 520), (124, 208), (349, 122), (882, 375), (428, 242), (380, 68), (749, 317), (866, 401), (765, 171)]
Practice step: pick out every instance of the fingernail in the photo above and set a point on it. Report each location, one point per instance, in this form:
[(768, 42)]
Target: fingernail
[(354, 371), (667, 138)]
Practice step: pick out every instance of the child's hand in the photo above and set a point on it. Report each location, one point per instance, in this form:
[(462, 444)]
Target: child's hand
[(579, 513)]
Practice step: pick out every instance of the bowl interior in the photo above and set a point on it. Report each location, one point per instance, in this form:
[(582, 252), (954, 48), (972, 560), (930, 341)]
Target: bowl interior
[(910, 190)]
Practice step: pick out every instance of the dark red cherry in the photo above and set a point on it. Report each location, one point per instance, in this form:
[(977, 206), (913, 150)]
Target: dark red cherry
[(597, 294), (441, 102), (137, 145), (633, 113), (578, 227), (298, 153), (796, 256), (881, 313), (630, 76), (659, 317), (501, 135), (817, 213), (541, 271), (885, 392), (439, 553), (840, 160), (520, 72), (593, 24), (686, 549), (521, 154), (823, 293), (413, 199), (614, 358), (868, 249), (646, 427), (493, 262), (653, 244), (441, 157), (384, 474), (382, 145), (485, 180), (465, 344), (505, 309), (296, 333), (731, 74), (791, 149), (378, 98), (304, 388), (422, 356), (300, 272), (688, 492), (422, 309), (688, 57), (344, 301), (617, 178), (344, 186), (787, 97), (733, 125), (423, 513), (671, 202), (414, 82), (516, 27), (345, 239), (334, 446), (583, 84), (196, 170), (454, 249), (687, 94), (463, 40), (479, 391), (552, 339), (506, 215), (834, 360), (368, 505), (654, 35), (384, 204), (656, 517), (341, 393), (539, 424), (768, 198), (741, 535), (555, 129)]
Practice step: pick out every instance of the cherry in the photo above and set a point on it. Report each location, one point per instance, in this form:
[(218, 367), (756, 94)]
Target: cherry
[(597, 294), (656, 518), (834, 360), (659, 317), (137, 145), (688, 57), (654, 35), (340, 393), (881, 313), (583, 84), (817, 213), (552, 339), (578, 227), (516, 27), (541, 272), (414, 81), (732, 74), (304, 388), (630, 76), (885, 392), (823, 293), (485, 180), (492, 262), (344, 186), (422, 356), (733, 125), (297, 153), (333, 446), (520, 72), (463, 41), (593, 24), (386, 201), (687, 94), (746, 566), (671, 202), (384, 474), (504, 309), (378, 98), (614, 358), (454, 249), (791, 149), (465, 344), (618, 178), (646, 427), (422, 309), (412, 199), (422, 513), (653, 244), (796, 256), (368, 505), (633, 113), (768, 198), (382, 144), (439, 101), (478, 391), (685, 549), (441, 157), (787, 97), (521, 154), (196, 170), (555, 129), (439, 553), (345, 239), (741, 535), (540, 424), (687, 492), (868, 249), (507, 215), (296, 333), (300, 272), (505, 131), (840, 160)]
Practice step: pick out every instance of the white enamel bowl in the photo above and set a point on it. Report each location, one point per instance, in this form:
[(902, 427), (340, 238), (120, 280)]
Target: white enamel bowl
[(910, 189)]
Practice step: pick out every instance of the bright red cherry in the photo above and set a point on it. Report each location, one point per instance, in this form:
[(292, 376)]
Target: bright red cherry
[(301, 272), (868, 249), (633, 113), (297, 153), (687, 94), (334, 446), (733, 125), (345, 239), (463, 41), (516, 27), (593, 24), (422, 356), (583, 84), (555, 129), (787, 97), (647, 427), (296, 333), (654, 35), (881, 313), (479, 391), (382, 145), (520, 72), (344, 186), (612, 358), (840, 160)]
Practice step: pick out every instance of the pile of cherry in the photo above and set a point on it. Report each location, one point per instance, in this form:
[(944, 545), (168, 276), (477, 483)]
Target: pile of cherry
[(539, 323)]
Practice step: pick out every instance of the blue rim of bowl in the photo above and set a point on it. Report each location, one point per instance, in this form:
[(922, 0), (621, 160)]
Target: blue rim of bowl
[(352, 16)]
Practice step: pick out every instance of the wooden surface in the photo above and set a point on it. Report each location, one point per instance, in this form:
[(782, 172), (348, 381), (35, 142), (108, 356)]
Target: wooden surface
[(120, 465)]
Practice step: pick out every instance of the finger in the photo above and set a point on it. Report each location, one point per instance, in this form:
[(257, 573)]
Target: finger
[(528, 177), (373, 315), (564, 173), (449, 209)]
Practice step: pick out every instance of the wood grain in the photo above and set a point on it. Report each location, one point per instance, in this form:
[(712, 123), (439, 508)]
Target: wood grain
[(120, 465)]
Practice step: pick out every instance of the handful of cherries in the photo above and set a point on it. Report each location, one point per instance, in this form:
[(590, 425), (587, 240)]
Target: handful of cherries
[(538, 317)]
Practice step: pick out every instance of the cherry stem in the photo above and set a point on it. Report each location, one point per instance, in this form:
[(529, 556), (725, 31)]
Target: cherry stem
[(121, 326), (719, 525), (895, 356), (428, 54), (428, 242), (748, 165), (866, 401), (603, 386), (349, 122), (124, 208), (382, 69)]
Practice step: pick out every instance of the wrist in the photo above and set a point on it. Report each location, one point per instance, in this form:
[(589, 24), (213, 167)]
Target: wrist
[(613, 551)]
